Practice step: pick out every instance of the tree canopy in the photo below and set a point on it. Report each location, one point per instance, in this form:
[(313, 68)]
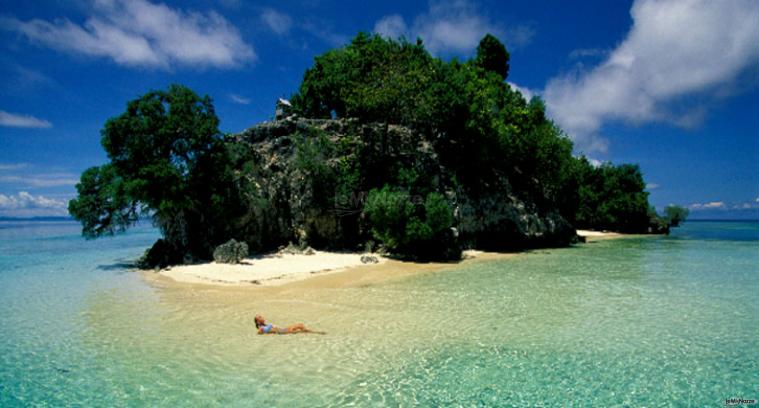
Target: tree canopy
[(492, 56), (675, 214), (167, 161)]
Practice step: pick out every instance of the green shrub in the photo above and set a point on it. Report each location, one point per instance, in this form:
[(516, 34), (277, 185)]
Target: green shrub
[(411, 229), (231, 252)]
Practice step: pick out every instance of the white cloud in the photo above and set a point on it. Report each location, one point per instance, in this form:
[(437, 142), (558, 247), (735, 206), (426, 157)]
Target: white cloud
[(693, 49), (41, 180), (713, 205), (141, 33), (24, 204), (526, 92), (19, 79), (22, 121), (239, 99), (452, 26), (393, 26), (757, 200), (12, 166), (652, 186), (278, 22)]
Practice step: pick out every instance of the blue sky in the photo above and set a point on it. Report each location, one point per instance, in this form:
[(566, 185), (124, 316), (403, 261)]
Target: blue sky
[(671, 85)]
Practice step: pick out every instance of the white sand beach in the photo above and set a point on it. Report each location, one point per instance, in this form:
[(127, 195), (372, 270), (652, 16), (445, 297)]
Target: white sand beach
[(271, 269), (601, 235), (280, 268)]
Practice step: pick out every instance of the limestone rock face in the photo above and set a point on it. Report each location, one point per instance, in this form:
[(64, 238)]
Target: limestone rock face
[(283, 109), (282, 180), (231, 252), (500, 220)]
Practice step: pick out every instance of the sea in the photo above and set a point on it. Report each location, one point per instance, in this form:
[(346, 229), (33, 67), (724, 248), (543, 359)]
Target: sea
[(653, 321)]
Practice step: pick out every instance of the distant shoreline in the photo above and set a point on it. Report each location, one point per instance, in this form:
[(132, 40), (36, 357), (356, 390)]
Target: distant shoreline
[(52, 218)]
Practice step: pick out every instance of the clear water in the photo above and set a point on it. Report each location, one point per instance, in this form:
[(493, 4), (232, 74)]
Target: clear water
[(654, 321)]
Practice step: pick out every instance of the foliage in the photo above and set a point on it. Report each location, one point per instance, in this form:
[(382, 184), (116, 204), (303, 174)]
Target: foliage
[(412, 228), (611, 197), (492, 56), (657, 224), (372, 79), (230, 252), (465, 109), (674, 214), (465, 131), (167, 160), (103, 205)]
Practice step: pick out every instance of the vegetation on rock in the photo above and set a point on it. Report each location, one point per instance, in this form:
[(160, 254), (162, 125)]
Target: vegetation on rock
[(674, 214), (386, 145), (230, 252)]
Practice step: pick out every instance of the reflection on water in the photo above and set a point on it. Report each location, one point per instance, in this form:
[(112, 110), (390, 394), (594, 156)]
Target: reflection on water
[(649, 321)]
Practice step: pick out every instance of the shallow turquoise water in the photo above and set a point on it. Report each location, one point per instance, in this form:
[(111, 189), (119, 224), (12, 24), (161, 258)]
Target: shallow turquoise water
[(653, 321)]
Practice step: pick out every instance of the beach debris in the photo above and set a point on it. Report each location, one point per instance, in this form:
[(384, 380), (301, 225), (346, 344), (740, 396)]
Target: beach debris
[(369, 259), (309, 251), (231, 252)]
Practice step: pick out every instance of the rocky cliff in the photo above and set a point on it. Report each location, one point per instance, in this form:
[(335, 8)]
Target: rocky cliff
[(306, 181)]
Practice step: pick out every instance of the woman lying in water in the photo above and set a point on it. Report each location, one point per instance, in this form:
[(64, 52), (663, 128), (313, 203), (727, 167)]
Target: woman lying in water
[(264, 328)]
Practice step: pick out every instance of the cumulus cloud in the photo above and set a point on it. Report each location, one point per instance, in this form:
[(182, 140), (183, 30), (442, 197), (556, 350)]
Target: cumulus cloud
[(22, 121), (451, 26), (676, 49), (24, 204), (278, 22), (141, 33)]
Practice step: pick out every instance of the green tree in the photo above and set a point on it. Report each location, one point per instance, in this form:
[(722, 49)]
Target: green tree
[(168, 161), (674, 214), (492, 56), (611, 197), (373, 79)]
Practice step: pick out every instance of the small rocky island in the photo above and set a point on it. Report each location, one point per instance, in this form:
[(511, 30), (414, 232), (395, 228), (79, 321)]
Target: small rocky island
[(288, 162), (383, 147)]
